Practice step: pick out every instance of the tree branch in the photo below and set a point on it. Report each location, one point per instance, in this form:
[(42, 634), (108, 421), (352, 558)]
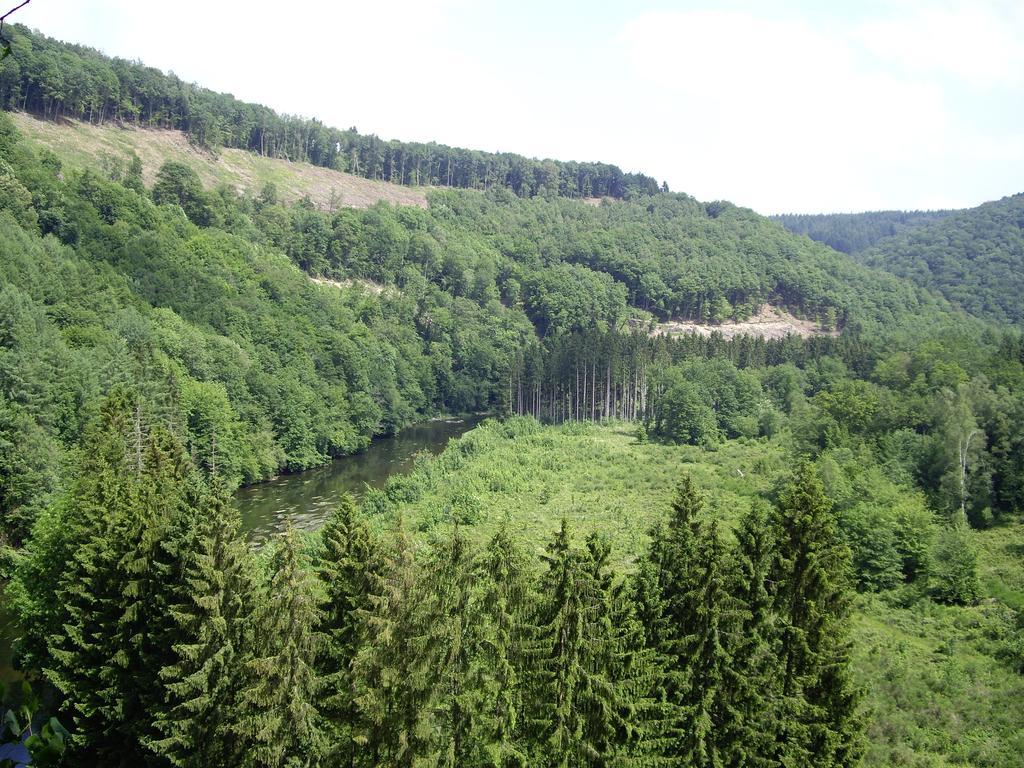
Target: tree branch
[(5, 51), (15, 8)]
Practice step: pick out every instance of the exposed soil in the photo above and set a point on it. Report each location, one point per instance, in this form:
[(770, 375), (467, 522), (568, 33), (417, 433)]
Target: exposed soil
[(84, 145), (769, 323), (367, 285)]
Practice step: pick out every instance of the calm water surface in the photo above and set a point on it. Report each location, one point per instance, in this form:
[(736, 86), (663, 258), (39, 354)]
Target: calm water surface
[(306, 498), (7, 674)]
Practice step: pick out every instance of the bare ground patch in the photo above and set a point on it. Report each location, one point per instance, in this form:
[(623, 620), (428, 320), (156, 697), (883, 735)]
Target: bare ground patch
[(88, 146), (769, 323), (367, 285)]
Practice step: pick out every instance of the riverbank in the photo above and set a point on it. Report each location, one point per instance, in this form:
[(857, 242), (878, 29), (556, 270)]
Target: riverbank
[(306, 498)]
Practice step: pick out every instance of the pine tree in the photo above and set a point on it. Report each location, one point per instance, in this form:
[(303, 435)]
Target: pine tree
[(501, 606), (346, 566), (393, 684), (754, 670), (452, 715), (208, 642), (634, 718), (555, 720), (589, 689), (277, 718), (120, 575), (819, 723), (663, 714), (711, 720), (664, 599)]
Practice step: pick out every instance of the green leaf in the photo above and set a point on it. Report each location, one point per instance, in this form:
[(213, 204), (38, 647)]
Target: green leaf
[(47, 746), (10, 725)]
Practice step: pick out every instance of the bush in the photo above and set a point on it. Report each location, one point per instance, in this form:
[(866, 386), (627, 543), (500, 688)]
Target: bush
[(955, 572)]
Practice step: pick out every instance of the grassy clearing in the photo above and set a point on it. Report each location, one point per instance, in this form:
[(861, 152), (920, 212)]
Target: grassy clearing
[(82, 145), (939, 691), (597, 477)]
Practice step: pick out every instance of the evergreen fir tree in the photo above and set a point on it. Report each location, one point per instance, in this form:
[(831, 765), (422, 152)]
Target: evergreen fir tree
[(500, 606), (633, 718), (119, 579), (278, 719), (589, 693), (711, 720), (819, 723), (393, 684), (665, 601), (452, 717), (754, 671), (556, 670), (346, 564), (209, 642)]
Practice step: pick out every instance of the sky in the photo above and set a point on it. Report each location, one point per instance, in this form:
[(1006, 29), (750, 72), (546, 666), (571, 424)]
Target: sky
[(800, 106)]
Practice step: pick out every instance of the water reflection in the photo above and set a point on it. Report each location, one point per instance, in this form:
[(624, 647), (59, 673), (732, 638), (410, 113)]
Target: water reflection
[(306, 498), (7, 631)]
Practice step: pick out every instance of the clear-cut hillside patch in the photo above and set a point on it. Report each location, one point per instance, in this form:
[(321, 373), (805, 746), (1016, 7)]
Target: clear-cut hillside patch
[(84, 145), (770, 322), (367, 285)]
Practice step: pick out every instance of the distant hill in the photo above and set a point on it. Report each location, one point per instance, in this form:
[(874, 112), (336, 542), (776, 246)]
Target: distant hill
[(975, 258), (61, 80), (854, 232), (107, 149), (669, 255)]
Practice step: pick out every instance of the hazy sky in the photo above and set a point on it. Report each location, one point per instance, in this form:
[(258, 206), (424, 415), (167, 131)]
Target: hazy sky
[(800, 106)]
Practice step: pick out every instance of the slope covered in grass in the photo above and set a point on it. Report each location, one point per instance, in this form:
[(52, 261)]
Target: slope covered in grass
[(108, 147)]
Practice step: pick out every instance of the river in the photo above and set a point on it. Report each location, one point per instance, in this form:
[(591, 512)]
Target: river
[(306, 498), (7, 673)]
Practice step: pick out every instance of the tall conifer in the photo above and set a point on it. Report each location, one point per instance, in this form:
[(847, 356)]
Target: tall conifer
[(500, 606), (208, 642), (278, 720), (346, 565), (711, 719), (392, 682), (819, 723), (755, 669), (665, 601), (121, 568)]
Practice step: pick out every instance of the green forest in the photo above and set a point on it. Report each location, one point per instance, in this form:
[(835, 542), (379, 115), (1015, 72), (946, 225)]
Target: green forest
[(660, 548), (974, 258), (59, 80), (855, 232)]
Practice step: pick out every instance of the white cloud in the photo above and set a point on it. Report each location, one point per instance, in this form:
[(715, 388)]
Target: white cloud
[(977, 42), (784, 114)]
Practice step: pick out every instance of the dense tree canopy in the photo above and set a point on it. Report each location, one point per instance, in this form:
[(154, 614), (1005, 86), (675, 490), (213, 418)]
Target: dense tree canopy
[(56, 80), (975, 258), (855, 232)]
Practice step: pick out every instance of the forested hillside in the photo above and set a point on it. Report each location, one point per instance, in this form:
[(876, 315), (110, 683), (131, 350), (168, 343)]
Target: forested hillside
[(975, 258), (203, 299), (660, 551), (854, 232), (55, 80)]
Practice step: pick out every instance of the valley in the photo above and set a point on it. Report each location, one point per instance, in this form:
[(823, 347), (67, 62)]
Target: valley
[(739, 497)]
